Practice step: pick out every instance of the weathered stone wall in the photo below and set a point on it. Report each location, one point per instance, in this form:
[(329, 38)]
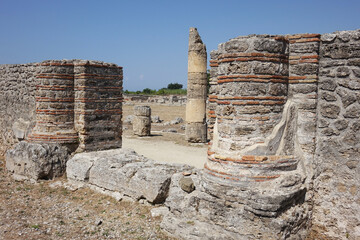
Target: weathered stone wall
[(98, 105), (77, 101), (336, 211), (251, 90), (287, 170), (17, 98), (177, 100), (54, 103)]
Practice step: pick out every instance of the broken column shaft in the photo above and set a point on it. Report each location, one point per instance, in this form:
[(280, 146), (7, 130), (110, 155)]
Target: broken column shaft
[(196, 130), (142, 121)]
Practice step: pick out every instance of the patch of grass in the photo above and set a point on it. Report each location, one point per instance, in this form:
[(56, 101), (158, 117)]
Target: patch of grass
[(106, 233), (162, 91), (36, 226), (64, 192), (190, 222)]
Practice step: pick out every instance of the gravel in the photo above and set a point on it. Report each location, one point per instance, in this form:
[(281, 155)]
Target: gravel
[(39, 211)]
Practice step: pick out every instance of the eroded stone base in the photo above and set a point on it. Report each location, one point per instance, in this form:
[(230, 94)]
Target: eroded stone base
[(37, 160), (125, 172), (202, 215)]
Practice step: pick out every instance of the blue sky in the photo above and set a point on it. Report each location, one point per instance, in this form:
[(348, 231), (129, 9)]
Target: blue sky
[(150, 38)]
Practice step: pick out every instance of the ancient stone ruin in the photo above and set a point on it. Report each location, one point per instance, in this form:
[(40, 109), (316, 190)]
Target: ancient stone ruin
[(283, 160), (197, 90), (284, 152), (78, 105), (142, 121)]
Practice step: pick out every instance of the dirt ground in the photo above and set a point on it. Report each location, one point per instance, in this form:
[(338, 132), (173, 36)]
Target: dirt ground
[(40, 211), (162, 145)]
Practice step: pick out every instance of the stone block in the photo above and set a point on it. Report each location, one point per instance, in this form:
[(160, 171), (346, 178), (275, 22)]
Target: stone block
[(37, 161), (330, 110), (142, 125), (144, 111), (123, 171)]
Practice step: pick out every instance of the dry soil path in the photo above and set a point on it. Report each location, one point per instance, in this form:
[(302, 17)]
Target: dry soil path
[(167, 151)]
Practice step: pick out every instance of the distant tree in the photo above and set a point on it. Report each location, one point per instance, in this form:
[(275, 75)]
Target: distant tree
[(161, 91), (126, 92), (147, 91), (138, 92), (175, 86)]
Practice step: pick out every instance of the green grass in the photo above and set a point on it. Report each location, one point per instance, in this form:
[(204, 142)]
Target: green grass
[(163, 91)]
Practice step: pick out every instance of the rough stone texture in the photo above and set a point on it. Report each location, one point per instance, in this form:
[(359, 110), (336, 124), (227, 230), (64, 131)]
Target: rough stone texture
[(17, 98), (195, 130), (54, 104), (78, 105), (125, 172), (98, 105), (142, 121), (336, 212), (171, 100), (87, 94), (36, 161), (283, 159)]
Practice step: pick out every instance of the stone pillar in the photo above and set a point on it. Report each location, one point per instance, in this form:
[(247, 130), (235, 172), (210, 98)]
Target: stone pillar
[(98, 105), (196, 130), (55, 104), (142, 121)]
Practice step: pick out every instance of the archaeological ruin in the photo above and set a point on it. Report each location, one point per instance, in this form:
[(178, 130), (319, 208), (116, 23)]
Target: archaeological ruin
[(283, 119), (196, 128), (142, 120)]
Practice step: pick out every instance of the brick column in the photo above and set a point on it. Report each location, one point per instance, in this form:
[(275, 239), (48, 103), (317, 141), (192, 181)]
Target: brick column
[(55, 104), (98, 105)]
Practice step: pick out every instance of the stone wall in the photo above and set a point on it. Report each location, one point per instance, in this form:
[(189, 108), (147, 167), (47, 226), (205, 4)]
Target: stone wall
[(17, 98), (284, 124), (336, 211), (177, 100), (98, 105), (77, 102)]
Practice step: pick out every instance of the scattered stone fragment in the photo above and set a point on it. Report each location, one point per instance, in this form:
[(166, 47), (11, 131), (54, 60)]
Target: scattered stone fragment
[(187, 184), (159, 211)]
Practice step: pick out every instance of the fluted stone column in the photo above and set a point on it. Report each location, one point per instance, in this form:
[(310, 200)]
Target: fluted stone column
[(196, 130)]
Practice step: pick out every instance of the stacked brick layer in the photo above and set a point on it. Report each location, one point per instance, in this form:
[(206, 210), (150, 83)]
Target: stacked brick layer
[(98, 105), (248, 91), (318, 132), (55, 104), (77, 102)]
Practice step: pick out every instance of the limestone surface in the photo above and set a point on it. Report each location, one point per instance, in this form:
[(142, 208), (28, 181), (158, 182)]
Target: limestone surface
[(197, 89), (36, 161), (125, 172)]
